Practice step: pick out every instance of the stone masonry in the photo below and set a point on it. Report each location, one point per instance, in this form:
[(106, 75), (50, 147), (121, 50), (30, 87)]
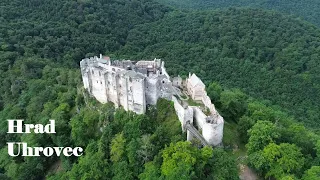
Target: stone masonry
[(135, 84)]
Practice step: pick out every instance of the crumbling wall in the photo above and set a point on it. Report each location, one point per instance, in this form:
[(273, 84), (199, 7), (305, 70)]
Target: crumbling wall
[(198, 116), (123, 90), (185, 115), (85, 78), (138, 96), (111, 88), (164, 71), (98, 85), (177, 81), (151, 90), (207, 102), (212, 131)]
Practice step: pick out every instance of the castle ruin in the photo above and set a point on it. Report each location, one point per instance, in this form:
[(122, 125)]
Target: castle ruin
[(135, 84)]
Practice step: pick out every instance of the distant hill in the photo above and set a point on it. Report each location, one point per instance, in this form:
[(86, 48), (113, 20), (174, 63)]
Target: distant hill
[(266, 54), (307, 9), (66, 28)]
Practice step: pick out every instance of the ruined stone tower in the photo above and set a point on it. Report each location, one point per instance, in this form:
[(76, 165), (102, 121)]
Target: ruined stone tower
[(135, 84)]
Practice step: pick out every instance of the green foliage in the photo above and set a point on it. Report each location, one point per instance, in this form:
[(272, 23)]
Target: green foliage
[(181, 160), (261, 134), (151, 172), (282, 159), (84, 127), (289, 177), (312, 174), (317, 148), (93, 165), (233, 104), (221, 166), (258, 111), (245, 123), (299, 135), (296, 151), (121, 171), (307, 9), (117, 148), (278, 161), (214, 91), (267, 55)]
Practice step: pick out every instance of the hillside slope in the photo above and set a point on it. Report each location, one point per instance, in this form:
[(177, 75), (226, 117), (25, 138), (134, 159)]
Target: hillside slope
[(268, 55), (41, 44), (42, 41), (307, 9), (66, 30)]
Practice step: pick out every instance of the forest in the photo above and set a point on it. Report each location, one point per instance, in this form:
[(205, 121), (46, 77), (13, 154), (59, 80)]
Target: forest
[(265, 54), (261, 69), (306, 9)]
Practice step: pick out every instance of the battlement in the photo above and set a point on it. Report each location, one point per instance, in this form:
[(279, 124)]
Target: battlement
[(130, 84), (147, 68)]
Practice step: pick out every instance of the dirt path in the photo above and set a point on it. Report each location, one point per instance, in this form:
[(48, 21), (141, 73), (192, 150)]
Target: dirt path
[(247, 173)]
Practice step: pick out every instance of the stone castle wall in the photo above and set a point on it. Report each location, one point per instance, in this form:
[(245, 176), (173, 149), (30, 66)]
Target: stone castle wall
[(185, 114), (211, 132), (207, 102), (134, 85)]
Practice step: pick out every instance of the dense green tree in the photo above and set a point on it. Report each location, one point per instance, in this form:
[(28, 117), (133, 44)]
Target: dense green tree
[(278, 161), (317, 148), (146, 150), (117, 148), (151, 172), (312, 174), (85, 127), (299, 135), (308, 9), (93, 165), (121, 171), (184, 161), (233, 104), (245, 123), (132, 129), (133, 159), (282, 159), (214, 91), (261, 134), (289, 177), (221, 166)]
